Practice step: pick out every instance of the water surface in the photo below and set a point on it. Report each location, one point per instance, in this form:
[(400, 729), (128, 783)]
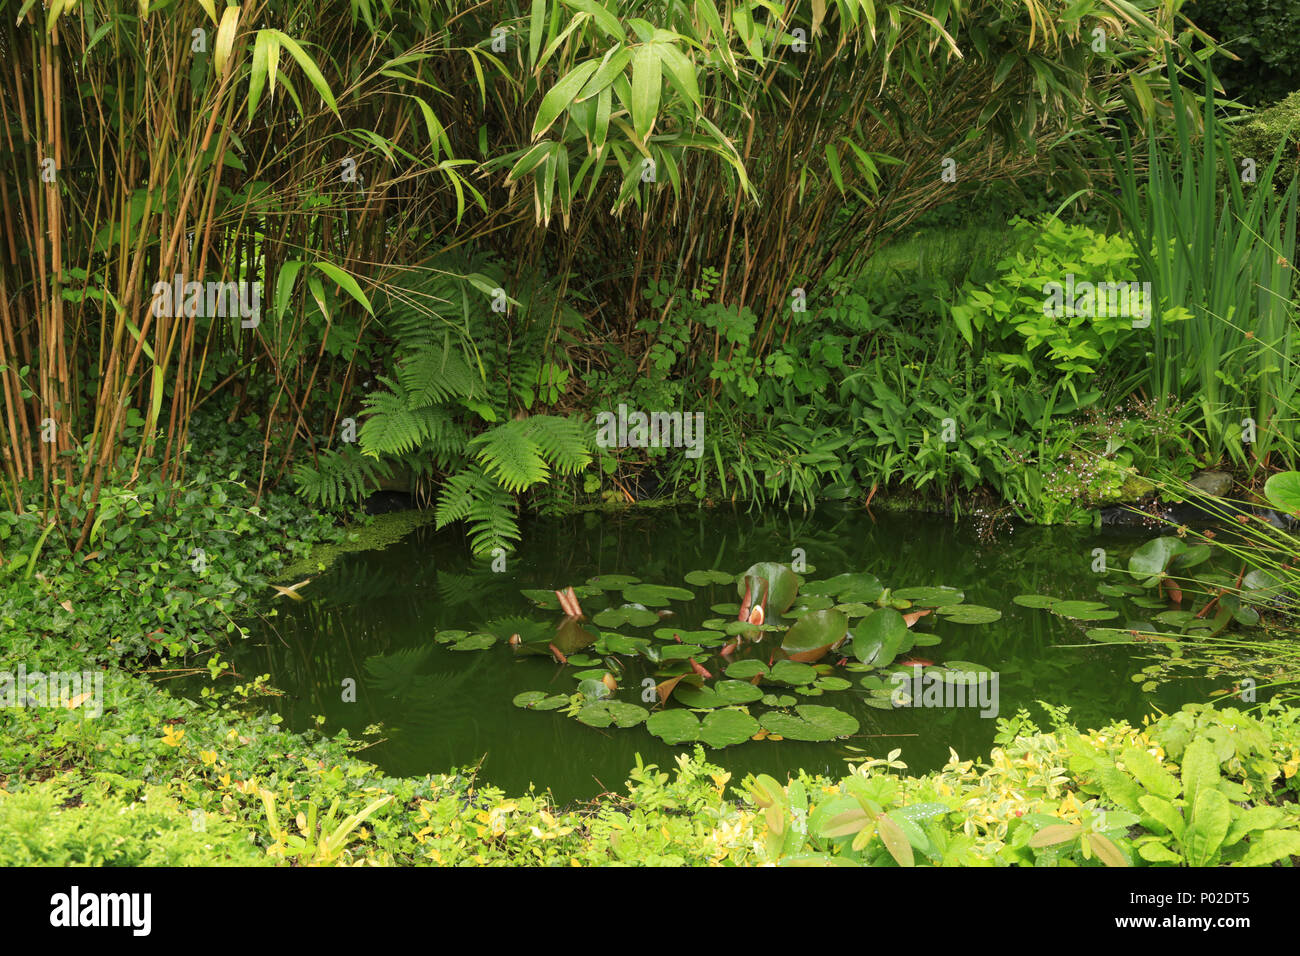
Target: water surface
[(373, 616)]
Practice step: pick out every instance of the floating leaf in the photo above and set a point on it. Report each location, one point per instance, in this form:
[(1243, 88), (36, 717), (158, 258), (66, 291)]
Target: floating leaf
[(629, 615), (475, 642), (656, 595), (848, 588), (676, 726), (1084, 611), (1283, 491), (930, 596), (703, 578), (814, 722), (606, 712), (968, 614), (723, 728), (450, 636), (1151, 561), (879, 637), (612, 582), (813, 634), (782, 585), (792, 672), (722, 694), (1036, 600), (747, 669)]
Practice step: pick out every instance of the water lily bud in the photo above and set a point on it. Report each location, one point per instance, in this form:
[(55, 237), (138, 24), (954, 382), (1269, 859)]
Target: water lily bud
[(515, 640), (608, 681)]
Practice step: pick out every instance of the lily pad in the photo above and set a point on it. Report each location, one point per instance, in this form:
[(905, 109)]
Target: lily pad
[(676, 726), (612, 582), (538, 700), (778, 700), (792, 672), (726, 609), (930, 596), (782, 585), (724, 693), (475, 642), (969, 614), (603, 713), (848, 588), (1045, 601), (680, 652), (1150, 562), (814, 722), (747, 669), (656, 595), (631, 616), (832, 683), (723, 728), (702, 578), (814, 633), (450, 636), (593, 689), (619, 644), (1084, 611), (879, 637)]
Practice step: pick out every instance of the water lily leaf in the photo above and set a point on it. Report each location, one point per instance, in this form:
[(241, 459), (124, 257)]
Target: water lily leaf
[(688, 637), (879, 637), (855, 609), (681, 652), (810, 602), (778, 700), (1108, 635), (814, 722), (1036, 600), (1151, 561), (475, 642), (813, 634), (726, 609), (1283, 491), (1084, 611), (593, 689), (747, 669), (538, 700), (930, 596), (656, 595), (968, 614), (724, 728), (619, 644), (724, 693), (782, 585), (612, 582), (676, 726), (832, 683), (792, 672), (542, 598), (606, 712), (702, 578), (571, 636), (848, 588), (629, 615), (450, 636)]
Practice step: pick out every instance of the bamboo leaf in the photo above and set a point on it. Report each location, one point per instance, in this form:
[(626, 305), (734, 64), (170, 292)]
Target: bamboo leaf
[(346, 282)]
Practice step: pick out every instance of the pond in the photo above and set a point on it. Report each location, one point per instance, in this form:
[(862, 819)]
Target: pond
[(374, 616)]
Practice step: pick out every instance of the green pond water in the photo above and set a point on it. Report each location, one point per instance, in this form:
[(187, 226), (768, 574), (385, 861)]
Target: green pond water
[(373, 616)]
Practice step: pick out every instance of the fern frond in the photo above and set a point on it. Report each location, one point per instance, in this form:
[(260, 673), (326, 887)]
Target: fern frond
[(489, 511), (391, 426), (565, 442), (510, 454), (339, 477), (435, 373)]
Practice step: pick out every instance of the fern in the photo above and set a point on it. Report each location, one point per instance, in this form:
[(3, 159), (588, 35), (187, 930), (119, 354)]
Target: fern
[(487, 509), (339, 477), (435, 374), (511, 455), (564, 442)]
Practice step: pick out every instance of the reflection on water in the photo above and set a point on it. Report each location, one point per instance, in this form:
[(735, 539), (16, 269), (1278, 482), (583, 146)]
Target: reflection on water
[(373, 616)]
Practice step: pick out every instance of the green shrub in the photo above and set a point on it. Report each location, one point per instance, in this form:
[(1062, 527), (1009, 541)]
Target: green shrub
[(47, 825), (1260, 135)]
